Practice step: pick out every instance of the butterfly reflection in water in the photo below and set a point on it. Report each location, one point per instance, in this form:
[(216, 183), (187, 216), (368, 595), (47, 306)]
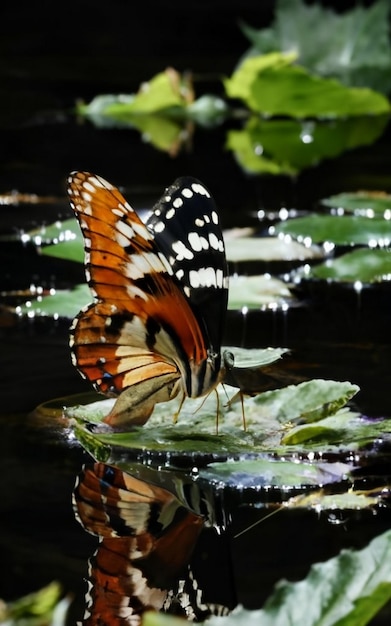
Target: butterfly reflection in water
[(161, 288), (147, 537)]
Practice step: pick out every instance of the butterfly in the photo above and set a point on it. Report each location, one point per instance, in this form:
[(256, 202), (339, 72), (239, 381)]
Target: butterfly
[(147, 537), (154, 329)]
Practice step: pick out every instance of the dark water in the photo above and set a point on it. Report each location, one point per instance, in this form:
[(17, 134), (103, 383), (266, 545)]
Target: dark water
[(339, 336)]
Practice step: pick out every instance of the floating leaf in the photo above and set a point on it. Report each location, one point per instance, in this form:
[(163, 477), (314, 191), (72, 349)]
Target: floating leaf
[(274, 473), (266, 249), (366, 203), (270, 417), (62, 303), (245, 291), (353, 46), (307, 402), (272, 85), (338, 229), (365, 265), (258, 292)]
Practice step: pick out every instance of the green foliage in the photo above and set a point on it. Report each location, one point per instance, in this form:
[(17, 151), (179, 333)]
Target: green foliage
[(367, 203), (275, 420), (41, 608), (353, 47), (364, 264), (340, 230), (347, 590), (270, 84)]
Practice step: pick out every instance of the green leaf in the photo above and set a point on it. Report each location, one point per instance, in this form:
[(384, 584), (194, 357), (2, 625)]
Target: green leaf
[(307, 402), (345, 427), (255, 358), (353, 46), (347, 590), (253, 292), (288, 146), (258, 292), (270, 416), (269, 85), (366, 203), (62, 303), (338, 229), (166, 90), (38, 608), (267, 249), (62, 247), (365, 265), (276, 473)]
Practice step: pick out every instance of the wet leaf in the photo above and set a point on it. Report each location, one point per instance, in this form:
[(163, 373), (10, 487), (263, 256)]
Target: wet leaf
[(274, 473), (366, 203), (268, 249), (246, 291), (338, 229), (345, 427), (307, 402), (365, 265), (270, 416), (347, 590), (61, 303), (255, 292), (270, 84), (353, 46)]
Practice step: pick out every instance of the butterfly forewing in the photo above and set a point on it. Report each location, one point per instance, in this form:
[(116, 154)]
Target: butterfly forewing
[(160, 292), (185, 224)]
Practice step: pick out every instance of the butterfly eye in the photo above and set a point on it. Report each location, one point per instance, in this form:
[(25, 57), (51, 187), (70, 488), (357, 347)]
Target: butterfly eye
[(228, 359)]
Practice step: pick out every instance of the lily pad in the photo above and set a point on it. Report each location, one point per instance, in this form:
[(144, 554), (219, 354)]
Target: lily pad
[(253, 292), (366, 203), (364, 265), (270, 417), (338, 229), (265, 473), (258, 292), (268, 249)]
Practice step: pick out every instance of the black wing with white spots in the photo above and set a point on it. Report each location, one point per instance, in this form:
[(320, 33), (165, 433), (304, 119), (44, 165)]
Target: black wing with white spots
[(186, 227)]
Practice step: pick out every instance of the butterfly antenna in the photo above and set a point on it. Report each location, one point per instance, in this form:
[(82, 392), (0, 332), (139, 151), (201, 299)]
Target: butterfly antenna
[(259, 521)]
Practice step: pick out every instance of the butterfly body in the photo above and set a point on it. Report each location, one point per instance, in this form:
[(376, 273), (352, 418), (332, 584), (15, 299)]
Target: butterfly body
[(155, 327)]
